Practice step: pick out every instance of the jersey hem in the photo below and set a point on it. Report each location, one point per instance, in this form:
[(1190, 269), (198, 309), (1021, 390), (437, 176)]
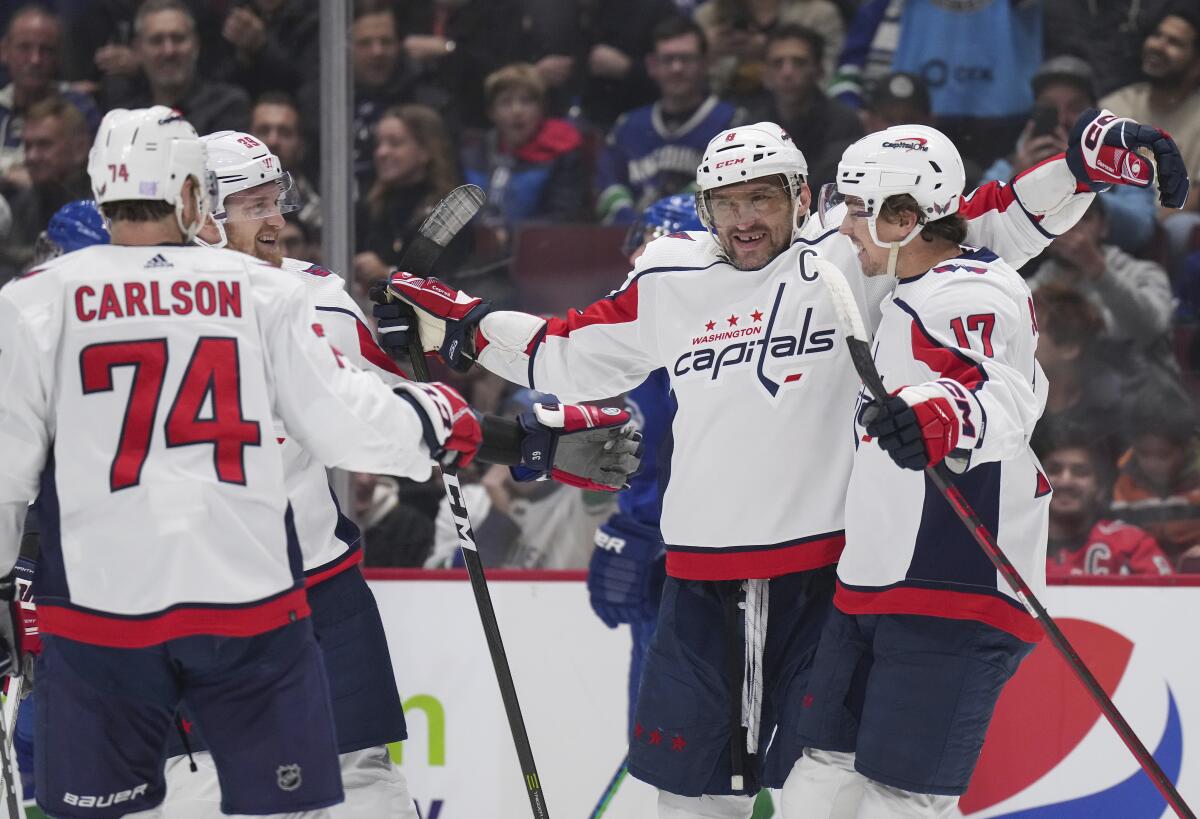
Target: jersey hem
[(755, 562), (346, 560), (117, 631), (950, 605)]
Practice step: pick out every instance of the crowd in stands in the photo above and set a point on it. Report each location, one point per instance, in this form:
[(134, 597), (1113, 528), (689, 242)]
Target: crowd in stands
[(583, 112)]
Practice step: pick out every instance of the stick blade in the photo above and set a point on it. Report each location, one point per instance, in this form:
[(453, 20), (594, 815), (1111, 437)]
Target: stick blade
[(452, 214)]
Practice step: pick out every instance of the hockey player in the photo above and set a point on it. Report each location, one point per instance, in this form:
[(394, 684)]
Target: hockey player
[(757, 365), (136, 384), (924, 634), (628, 566), (253, 193)]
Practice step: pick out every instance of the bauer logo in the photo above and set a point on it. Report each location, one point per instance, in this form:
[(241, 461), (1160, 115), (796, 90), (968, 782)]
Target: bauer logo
[(1046, 730), (761, 346)]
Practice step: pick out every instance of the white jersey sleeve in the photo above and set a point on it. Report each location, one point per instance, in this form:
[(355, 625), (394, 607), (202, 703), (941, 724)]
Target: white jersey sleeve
[(24, 431), (1018, 219), (344, 416), (603, 350)]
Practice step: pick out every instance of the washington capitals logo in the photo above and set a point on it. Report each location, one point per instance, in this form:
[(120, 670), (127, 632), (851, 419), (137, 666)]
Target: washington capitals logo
[(909, 144), (754, 341)]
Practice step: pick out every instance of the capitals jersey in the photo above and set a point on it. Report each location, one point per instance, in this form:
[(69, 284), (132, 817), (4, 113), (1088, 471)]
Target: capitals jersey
[(329, 541), (762, 437), (1111, 547), (967, 324), (137, 391)]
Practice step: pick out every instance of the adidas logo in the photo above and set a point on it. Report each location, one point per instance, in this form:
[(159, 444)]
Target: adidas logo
[(158, 261)]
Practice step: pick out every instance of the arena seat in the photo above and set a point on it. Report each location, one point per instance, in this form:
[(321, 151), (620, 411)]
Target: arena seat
[(556, 267)]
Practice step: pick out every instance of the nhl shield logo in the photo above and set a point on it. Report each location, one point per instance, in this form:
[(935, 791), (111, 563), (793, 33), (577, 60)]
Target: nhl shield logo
[(287, 777)]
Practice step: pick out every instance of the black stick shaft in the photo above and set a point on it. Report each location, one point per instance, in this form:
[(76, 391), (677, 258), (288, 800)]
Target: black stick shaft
[(942, 478), (487, 616)]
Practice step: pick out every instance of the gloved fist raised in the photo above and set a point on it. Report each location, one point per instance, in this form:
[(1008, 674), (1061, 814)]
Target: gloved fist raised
[(446, 318), (917, 426), (1102, 150), (580, 445), (626, 573)]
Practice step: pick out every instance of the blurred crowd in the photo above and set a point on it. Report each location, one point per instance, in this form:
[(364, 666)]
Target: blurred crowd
[(574, 115)]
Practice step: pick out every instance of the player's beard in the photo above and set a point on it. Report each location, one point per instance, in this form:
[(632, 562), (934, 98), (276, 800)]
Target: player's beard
[(255, 239), (776, 239)]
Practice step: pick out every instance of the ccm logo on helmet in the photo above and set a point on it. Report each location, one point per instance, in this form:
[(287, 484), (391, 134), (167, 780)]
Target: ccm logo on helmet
[(728, 162), (908, 144)]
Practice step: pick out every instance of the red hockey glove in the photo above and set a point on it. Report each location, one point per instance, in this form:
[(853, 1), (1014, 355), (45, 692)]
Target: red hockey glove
[(580, 445), (450, 427), (446, 318), (917, 426), (1102, 150)]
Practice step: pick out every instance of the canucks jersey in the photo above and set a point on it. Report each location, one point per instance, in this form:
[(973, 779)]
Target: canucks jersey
[(137, 391), (969, 325)]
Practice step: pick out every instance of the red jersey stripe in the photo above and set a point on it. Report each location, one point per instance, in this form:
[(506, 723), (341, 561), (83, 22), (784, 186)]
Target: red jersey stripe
[(140, 632), (952, 605), (732, 564)]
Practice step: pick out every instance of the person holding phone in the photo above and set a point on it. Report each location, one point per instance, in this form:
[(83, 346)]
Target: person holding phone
[(1064, 88)]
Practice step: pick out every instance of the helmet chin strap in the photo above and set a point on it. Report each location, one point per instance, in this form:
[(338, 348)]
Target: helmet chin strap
[(222, 242), (893, 247), (190, 231)]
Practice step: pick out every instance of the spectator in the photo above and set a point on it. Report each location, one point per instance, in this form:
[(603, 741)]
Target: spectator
[(452, 43), (414, 169), (383, 80), (271, 39), (898, 99), (1169, 97), (653, 151), (976, 58), (1108, 35), (56, 142), (29, 53), (297, 241), (529, 165), (617, 36), (394, 534), (1063, 89), (1082, 539), (792, 97), (555, 39), (275, 120), (167, 49), (1132, 295), (739, 31), (1158, 486), (1085, 390)]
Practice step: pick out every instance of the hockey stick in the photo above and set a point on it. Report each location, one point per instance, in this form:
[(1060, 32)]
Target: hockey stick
[(610, 790), (941, 477), (434, 234), (7, 728)]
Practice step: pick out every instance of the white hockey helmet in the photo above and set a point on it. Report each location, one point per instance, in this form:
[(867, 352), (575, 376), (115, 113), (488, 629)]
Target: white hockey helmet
[(147, 154), (241, 161), (749, 152), (913, 159)]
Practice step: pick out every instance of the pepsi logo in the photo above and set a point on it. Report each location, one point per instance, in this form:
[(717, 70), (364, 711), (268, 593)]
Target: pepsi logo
[(1046, 729)]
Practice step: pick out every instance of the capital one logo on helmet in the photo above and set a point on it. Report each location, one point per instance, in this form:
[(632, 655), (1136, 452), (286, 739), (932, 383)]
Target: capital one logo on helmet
[(763, 351), (909, 144)]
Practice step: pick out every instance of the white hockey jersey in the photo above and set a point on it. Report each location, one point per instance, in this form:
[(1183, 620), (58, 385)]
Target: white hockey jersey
[(763, 437), (968, 324), (137, 390), (329, 541)]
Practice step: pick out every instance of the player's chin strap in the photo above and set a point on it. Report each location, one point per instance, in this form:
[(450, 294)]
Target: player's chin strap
[(893, 247), (224, 240), (190, 231)]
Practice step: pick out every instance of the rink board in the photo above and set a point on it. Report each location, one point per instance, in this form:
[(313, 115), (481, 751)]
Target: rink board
[(1049, 754)]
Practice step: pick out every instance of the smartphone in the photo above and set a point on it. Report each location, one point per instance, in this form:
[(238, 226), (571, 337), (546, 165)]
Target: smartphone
[(1045, 120)]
